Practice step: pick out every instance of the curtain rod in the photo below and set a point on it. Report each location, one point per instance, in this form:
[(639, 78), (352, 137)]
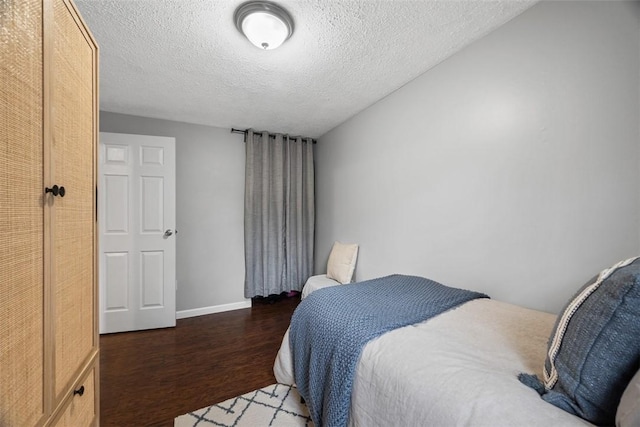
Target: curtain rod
[(271, 135)]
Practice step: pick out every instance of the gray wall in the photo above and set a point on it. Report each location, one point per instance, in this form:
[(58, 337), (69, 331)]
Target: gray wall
[(210, 208), (511, 168)]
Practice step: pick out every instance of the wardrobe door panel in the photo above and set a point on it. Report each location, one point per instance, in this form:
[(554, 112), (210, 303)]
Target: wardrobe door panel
[(21, 214), (73, 217)]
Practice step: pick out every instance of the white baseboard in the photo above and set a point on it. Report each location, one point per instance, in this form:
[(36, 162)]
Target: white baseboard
[(183, 314)]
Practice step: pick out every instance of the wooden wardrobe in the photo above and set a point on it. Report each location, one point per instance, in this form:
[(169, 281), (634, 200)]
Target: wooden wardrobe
[(48, 265)]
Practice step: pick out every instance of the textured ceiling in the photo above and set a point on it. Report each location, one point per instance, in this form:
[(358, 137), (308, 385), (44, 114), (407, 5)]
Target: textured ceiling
[(184, 60)]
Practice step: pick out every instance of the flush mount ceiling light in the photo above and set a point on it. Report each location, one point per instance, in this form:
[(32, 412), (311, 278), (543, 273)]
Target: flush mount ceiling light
[(265, 24)]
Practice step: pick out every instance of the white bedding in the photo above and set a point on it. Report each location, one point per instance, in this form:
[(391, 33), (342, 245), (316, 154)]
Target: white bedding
[(459, 368)]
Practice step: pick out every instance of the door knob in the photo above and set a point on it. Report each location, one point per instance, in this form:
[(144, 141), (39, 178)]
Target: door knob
[(55, 190), (79, 391), (168, 232)]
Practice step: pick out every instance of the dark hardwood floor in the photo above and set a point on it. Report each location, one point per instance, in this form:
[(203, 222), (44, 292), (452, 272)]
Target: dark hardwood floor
[(148, 378)]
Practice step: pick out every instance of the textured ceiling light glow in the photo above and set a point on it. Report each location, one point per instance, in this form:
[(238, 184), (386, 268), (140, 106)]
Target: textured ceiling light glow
[(264, 30), (265, 24)]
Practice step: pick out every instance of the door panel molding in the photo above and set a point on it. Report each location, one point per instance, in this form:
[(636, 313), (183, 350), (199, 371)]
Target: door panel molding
[(136, 207)]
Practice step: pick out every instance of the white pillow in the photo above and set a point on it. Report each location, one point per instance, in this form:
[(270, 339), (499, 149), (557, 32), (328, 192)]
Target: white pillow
[(342, 262), (628, 414)]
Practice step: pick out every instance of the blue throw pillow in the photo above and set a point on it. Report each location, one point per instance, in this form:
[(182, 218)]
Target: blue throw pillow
[(594, 348)]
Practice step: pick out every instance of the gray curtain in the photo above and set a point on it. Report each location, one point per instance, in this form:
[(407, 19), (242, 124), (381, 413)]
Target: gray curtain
[(279, 213)]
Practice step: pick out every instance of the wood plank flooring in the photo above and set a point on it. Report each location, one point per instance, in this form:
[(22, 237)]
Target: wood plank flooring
[(148, 378)]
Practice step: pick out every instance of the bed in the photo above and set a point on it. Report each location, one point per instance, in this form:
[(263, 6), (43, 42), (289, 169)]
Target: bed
[(460, 367)]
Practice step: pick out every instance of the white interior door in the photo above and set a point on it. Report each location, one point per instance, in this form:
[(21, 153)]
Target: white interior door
[(137, 217)]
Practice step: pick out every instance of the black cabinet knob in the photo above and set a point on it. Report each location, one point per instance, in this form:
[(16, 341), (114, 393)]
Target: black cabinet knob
[(55, 190), (79, 391)]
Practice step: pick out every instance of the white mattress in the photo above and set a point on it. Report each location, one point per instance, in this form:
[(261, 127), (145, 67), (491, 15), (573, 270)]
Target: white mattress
[(314, 283), (459, 368)]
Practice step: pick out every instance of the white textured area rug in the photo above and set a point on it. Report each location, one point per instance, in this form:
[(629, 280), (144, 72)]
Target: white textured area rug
[(277, 405)]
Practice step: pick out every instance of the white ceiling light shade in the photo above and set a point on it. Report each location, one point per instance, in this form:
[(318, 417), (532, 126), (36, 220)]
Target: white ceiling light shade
[(265, 24)]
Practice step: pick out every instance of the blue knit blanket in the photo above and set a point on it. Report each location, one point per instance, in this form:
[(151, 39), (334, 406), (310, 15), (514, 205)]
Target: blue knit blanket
[(331, 326)]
